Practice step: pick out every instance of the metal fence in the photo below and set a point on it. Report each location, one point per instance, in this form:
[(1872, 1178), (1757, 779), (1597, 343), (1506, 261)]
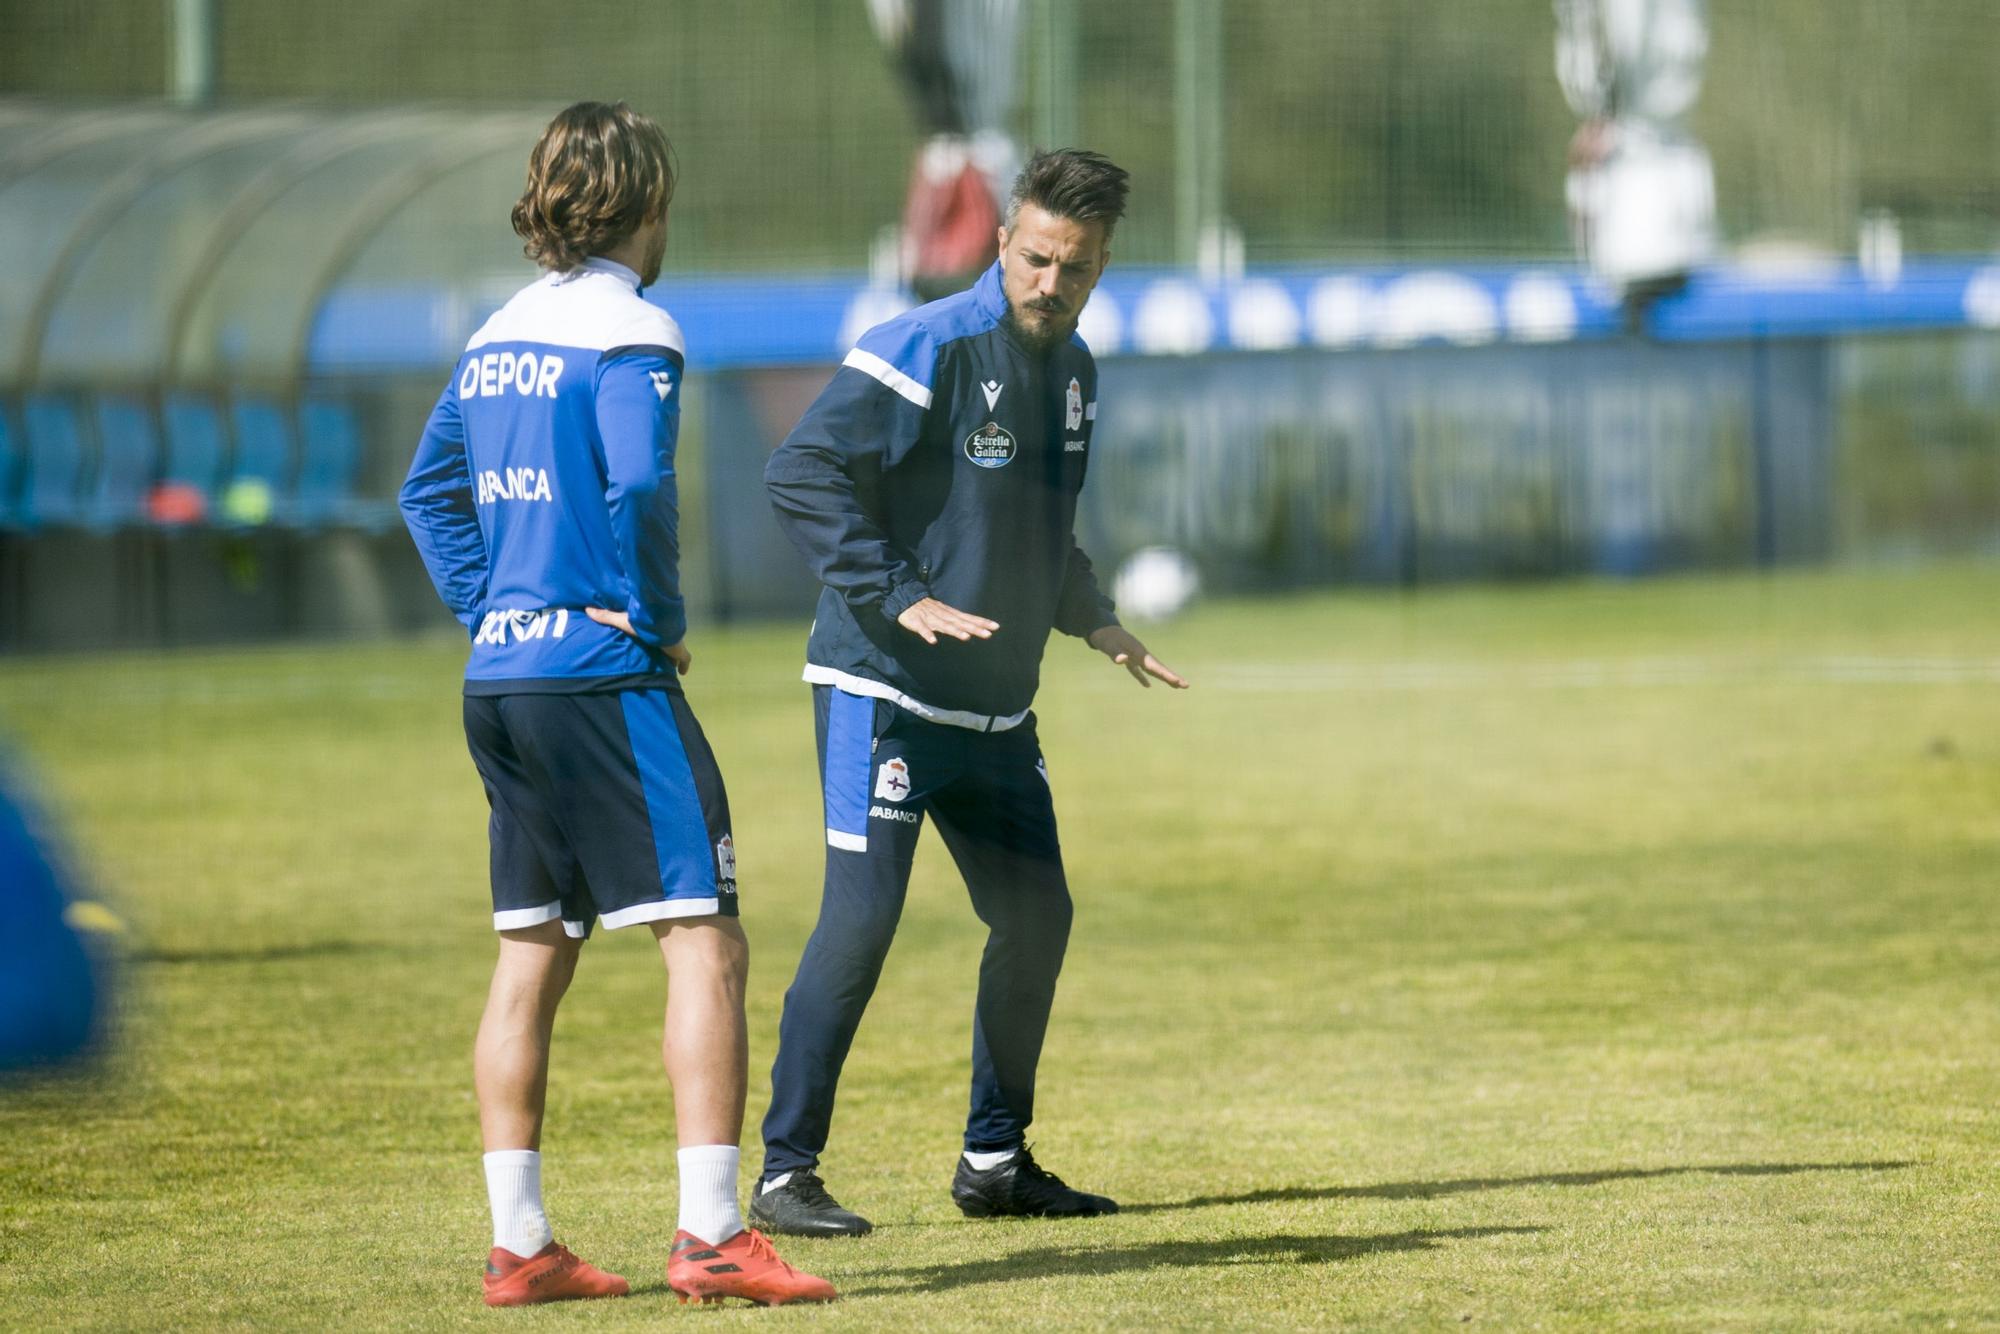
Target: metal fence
[(1314, 129), (270, 292)]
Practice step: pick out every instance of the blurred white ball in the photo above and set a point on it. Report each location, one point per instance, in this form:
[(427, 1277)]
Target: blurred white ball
[(1173, 319), (1155, 583), (1262, 317)]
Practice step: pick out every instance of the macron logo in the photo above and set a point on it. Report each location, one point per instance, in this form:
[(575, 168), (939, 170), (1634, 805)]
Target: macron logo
[(663, 383), (495, 626), (991, 388)]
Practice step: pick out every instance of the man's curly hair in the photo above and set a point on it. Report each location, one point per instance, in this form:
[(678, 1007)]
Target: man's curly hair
[(599, 171)]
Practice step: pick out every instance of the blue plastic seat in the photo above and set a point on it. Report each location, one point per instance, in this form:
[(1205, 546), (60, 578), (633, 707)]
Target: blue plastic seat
[(330, 435), (264, 456), (196, 443), (128, 452), (13, 469), (57, 456)]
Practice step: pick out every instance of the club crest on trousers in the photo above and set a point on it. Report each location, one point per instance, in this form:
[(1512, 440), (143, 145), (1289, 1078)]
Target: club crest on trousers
[(892, 780)]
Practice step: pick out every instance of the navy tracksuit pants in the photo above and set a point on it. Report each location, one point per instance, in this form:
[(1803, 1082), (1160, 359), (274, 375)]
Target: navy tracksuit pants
[(883, 771)]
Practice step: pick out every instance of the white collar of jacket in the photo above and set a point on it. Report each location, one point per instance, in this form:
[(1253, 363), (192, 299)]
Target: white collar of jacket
[(599, 264)]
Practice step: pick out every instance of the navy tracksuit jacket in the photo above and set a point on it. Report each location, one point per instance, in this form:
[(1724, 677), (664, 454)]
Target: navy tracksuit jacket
[(943, 460)]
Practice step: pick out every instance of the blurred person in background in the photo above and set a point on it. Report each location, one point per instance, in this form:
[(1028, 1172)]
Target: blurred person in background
[(932, 487), (956, 62), (543, 500)]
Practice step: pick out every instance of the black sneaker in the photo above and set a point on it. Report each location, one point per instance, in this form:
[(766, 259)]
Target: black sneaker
[(802, 1208), (1021, 1188)]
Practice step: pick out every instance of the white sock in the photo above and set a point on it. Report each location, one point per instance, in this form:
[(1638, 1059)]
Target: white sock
[(774, 1183), (514, 1189), (708, 1192), (982, 1162)]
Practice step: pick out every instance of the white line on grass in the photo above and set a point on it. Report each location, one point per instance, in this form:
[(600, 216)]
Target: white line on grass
[(1590, 674)]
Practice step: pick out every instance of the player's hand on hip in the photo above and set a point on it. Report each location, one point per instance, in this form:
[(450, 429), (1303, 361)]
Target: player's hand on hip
[(617, 620), (927, 618), (676, 653), (1123, 647)]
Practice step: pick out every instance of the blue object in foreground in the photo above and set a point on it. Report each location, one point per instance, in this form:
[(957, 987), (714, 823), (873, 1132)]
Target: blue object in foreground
[(48, 988)]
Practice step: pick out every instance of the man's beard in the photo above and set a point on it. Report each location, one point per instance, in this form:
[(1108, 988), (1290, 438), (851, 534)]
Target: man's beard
[(1050, 328)]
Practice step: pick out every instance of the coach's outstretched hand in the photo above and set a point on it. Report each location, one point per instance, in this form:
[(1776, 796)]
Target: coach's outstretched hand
[(1123, 647), (927, 618), (676, 653)]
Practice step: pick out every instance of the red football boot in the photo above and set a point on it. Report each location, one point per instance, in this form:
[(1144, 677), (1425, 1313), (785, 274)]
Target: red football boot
[(744, 1266), (551, 1274)]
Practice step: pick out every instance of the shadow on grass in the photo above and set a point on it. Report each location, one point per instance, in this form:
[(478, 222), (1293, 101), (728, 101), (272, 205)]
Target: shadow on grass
[(1064, 1262), (320, 949), (1424, 1190)]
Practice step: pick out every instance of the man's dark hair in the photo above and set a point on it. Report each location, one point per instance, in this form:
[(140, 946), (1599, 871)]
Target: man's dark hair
[(600, 170), (1072, 183)]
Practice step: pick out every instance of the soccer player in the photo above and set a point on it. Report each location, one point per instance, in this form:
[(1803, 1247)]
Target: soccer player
[(542, 498), (932, 487)]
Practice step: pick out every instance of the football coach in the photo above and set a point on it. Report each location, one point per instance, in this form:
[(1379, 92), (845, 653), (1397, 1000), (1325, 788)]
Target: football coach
[(932, 487)]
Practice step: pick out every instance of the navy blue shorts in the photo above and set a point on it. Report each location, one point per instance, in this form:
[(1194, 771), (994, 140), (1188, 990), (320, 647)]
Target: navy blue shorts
[(882, 770), (607, 805)]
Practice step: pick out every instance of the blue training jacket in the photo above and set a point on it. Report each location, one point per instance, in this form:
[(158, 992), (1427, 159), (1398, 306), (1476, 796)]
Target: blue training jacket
[(944, 460), (544, 484)]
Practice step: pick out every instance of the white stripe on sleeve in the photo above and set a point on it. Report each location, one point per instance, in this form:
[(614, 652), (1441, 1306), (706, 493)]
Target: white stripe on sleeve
[(870, 364)]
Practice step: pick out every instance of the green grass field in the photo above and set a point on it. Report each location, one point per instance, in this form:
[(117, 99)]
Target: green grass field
[(1559, 956)]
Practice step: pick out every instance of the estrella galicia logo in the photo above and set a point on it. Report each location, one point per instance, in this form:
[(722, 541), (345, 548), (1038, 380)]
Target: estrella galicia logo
[(991, 446)]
